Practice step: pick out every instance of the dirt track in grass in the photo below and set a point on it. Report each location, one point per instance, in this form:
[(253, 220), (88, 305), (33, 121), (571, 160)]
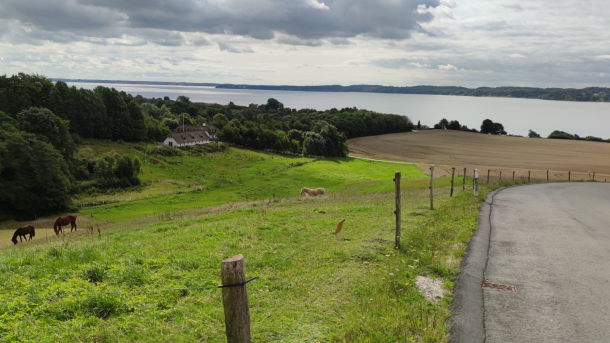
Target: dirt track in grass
[(458, 149)]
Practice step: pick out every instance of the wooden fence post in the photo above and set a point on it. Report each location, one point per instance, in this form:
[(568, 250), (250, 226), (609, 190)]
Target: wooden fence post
[(464, 181), (488, 176), (500, 175), (513, 176), (593, 176), (432, 187), (397, 212), (235, 300), (452, 175), (569, 176), (547, 175), (529, 173)]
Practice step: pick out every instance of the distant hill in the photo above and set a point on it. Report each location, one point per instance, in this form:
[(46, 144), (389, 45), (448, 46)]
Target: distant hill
[(569, 94), (566, 94)]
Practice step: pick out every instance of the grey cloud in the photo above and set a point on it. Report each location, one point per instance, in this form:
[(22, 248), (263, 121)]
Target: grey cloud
[(340, 41), (307, 20), (230, 48), (292, 40)]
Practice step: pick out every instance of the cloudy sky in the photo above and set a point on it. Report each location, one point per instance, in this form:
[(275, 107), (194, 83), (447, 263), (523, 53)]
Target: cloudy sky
[(562, 43)]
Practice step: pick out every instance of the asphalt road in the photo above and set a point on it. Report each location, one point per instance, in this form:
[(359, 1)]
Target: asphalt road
[(551, 241)]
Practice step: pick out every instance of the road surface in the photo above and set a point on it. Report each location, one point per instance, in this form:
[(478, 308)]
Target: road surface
[(551, 241)]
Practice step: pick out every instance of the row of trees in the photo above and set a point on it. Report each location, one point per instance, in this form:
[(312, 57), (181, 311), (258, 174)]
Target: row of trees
[(307, 131), (488, 126), (557, 134), (569, 94)]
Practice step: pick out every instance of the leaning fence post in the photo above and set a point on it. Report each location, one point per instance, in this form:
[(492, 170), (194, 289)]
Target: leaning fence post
[(529, 173), (397, 212), (432, 187), (235, 300), (488, 176), (464, 181), (452, 175)]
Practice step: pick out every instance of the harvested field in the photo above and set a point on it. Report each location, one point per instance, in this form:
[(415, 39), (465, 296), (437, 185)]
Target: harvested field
[(506, 154)]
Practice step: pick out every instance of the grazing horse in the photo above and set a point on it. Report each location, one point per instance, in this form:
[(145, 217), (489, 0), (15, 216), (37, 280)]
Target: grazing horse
[(22, 232), (61, 221), (313, 192)]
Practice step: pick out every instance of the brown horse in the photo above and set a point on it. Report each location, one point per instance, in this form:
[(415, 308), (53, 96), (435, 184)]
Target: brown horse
[(313, 192), (61, 221), (22, 232)]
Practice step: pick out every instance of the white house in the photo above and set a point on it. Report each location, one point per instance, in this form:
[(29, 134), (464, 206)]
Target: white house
[(185, 135)]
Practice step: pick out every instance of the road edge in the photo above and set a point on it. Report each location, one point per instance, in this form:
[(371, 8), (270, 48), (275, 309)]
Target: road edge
[(468, 319)]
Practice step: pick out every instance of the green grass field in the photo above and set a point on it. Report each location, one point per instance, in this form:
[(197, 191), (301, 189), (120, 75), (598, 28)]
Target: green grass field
[(239, 176), (313, 286)]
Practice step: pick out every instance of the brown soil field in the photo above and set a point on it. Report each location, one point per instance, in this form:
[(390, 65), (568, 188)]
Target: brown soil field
[(446, 149)]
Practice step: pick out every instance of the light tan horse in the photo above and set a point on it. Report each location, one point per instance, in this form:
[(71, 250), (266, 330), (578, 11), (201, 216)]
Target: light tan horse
[(313, 192)]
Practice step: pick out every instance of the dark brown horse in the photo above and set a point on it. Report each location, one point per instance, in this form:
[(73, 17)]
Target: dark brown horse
[(22, 232), (62, 221)]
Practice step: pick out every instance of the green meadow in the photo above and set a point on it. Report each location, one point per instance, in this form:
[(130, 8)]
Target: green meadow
[(140, 279), (238, 175)]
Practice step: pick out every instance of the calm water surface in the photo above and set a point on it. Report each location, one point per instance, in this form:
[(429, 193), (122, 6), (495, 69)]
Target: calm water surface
[(517, 115)]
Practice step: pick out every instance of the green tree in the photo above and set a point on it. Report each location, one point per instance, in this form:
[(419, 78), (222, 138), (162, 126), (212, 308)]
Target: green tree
[(48, 128), (22, 91), (156, 131), (489, 126), (117, 110), (84, 110), (533, 134), (273, 105), (34, 178), (220, 120), (560, 135), (138, 127)]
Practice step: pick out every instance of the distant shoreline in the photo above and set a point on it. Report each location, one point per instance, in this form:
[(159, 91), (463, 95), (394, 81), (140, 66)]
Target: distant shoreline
[(589, 94)]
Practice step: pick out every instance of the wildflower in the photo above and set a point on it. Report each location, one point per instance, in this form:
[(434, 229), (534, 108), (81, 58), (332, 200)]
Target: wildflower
[(406, 284)]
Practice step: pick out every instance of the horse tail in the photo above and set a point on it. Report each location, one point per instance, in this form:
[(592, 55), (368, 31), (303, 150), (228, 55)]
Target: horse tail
[(323, 191), (33, 232)]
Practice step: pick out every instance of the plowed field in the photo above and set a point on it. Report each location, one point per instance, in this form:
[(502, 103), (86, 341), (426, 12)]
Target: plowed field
[(487, 152)]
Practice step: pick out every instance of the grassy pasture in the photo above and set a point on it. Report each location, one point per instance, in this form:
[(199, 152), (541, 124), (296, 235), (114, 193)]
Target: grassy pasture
[(351, 287), (239, 176)]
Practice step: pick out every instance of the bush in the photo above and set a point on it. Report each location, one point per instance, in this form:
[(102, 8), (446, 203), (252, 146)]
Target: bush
[(560, 135), (168, 151), (104, 184)]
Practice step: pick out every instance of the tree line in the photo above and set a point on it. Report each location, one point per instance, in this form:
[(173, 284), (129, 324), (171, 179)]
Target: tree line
[(566, 94), (42, 123), (488, 127)]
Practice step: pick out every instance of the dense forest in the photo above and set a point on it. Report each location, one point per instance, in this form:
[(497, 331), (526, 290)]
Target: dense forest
[(567, 94), (41, 124)]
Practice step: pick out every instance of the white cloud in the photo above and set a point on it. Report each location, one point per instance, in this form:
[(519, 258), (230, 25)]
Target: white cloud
[(440, 11), (516, 56), (602, 57), (317, 5), (447, 67), (419, 65), (449, 3)]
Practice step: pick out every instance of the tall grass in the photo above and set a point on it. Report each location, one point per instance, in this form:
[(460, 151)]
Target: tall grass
[(350, 287)]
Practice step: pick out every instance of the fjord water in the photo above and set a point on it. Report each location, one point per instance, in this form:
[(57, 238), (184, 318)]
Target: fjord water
[(517, 115)]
